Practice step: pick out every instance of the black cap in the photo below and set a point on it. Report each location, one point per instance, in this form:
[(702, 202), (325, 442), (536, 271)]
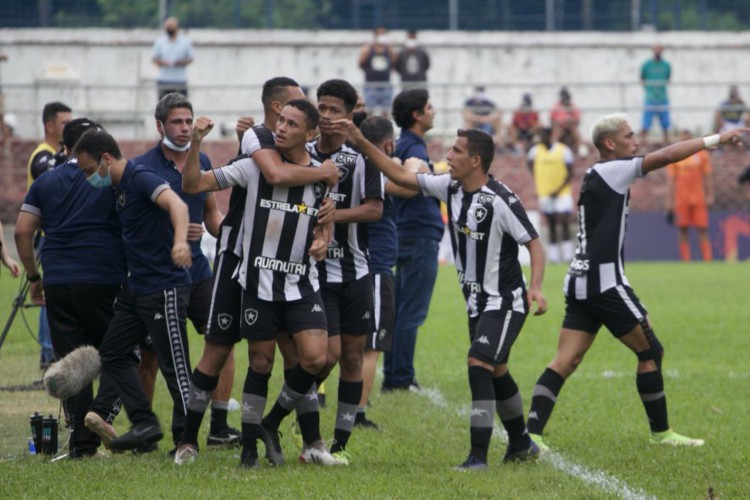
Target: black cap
[(74, 129)]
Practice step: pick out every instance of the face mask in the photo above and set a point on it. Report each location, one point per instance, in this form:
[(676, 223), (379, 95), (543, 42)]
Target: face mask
[(98, 181), (171, 32), (171, 145)]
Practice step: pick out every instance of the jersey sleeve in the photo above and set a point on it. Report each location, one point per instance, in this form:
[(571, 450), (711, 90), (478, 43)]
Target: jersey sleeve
[(148, 184), (374, 185), (255, 139), (435, 185), (32, 202), (235, 174), (532, 153), (41, 162), (511, 218), (620, 174)]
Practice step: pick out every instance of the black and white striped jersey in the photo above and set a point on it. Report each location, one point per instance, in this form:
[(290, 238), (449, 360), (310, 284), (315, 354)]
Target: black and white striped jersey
[(486, 227), (602, 219), (230, 233), (347, 257), (277, 230)]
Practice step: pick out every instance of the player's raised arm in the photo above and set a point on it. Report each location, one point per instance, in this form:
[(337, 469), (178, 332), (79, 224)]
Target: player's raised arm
[(193, 179), (393, 170), (683, 149)]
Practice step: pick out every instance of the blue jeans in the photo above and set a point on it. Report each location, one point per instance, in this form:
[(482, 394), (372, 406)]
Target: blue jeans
[(45, 339), (416, 271)]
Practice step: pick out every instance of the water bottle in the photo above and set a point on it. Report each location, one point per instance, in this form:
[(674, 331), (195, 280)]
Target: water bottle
[(49, 435), (36, 431), (32, 448)]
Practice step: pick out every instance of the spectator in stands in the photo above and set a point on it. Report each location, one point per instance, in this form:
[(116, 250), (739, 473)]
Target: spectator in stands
[(655, 75), (412, 63), (172, 52), (524, 125), (377, 60), (690, 191), (480, 113), (565, 118), (732, 113)]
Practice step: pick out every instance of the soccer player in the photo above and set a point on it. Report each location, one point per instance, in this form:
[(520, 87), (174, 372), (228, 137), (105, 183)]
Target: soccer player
[(279, 289), (690, 191), (84, 269), (488, 223), (596, 290), (344, 274), (155, 299), (174, 122), (552, 166)]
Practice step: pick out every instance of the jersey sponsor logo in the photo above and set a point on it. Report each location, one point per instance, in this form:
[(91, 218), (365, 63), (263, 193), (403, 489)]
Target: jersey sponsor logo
[(469, 233), (294, 208), (281, 266), (337, 197), (485, 198), (579, 266), (225, 320), (251, 316), (483, 340), (342, 159), (480, 213), (316, 308), (335, 251), (471, 286)]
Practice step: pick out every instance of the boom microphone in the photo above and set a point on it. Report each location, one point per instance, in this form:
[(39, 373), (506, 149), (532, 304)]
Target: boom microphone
[(67, 377)]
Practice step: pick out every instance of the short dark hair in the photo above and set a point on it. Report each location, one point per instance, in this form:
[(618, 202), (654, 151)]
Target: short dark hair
[(479, 143), (377, 129), (274, 88), (171, 101), (74, 129), (341, 89), (95, 143), (52, 108), (313, 117), (406, 103)]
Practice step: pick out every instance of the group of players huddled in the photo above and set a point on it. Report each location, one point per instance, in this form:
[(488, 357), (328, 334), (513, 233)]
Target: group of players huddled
[(293, 269)]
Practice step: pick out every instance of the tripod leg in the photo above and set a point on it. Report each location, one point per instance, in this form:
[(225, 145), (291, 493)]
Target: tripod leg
[(18, 303)]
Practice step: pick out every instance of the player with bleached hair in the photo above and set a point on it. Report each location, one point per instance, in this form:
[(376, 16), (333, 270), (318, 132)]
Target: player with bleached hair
[(596, 290)]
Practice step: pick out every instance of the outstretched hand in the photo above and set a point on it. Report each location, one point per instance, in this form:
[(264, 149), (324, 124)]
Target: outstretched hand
[(348, 128), (201, 127), (733, 137)]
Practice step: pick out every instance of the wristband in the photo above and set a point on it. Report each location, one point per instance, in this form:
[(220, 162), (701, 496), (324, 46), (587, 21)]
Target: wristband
[(33, 279), (710, 141)]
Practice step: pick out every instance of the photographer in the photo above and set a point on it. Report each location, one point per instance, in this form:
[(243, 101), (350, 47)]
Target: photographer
[(84, 267)]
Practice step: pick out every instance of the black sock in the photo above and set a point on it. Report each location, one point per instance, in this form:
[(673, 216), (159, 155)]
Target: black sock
[(482, 411), (219, 411), (349, 395), (254, 394), (509, 407), (308, 416), (201, 388), (651, 389), (543, 400), (297, 384)]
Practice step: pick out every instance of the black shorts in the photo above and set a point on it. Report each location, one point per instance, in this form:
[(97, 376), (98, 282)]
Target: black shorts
[(492, 333), (349, 307), (199, 308), (384, 307), (261, 319), (225, 309), (618, 309)]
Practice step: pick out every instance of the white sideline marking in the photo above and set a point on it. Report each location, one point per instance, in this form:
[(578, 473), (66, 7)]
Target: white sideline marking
[(598, 479)]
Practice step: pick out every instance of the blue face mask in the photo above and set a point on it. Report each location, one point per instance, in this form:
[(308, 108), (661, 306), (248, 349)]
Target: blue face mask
[(98, 180)]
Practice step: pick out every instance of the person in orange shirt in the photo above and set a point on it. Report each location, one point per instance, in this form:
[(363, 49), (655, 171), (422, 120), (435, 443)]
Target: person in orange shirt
[(690, 191)]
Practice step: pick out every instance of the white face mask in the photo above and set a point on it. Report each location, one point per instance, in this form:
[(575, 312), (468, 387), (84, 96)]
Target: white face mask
[(171, 145)]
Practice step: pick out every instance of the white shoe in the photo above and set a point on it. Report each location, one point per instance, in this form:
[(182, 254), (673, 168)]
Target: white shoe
[(185, 454), (320, 456)]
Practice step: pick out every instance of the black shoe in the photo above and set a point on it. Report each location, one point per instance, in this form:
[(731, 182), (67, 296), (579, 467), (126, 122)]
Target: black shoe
[(472, 463), (141, 434), (249, 457), (226, 437), (365, 422), (270, 439), (530, 453), (146, 448)]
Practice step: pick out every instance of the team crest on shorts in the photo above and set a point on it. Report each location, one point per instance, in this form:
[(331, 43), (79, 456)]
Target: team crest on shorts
[(251, 316), (225, 320), (381, 334), (480, 213)]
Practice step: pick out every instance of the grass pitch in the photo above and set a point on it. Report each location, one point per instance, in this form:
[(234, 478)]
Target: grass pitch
[(598, 432)]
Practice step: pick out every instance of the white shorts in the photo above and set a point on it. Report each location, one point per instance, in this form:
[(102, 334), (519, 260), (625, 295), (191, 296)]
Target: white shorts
[(558, 205)]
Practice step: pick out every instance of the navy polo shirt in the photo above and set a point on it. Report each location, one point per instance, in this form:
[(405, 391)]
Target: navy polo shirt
[(155, 160), (382, 240), (147, 232), (83, 241), (417, 217)]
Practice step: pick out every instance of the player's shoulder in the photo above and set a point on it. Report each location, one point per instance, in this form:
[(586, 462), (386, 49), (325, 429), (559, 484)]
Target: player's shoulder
[(497, 192)]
